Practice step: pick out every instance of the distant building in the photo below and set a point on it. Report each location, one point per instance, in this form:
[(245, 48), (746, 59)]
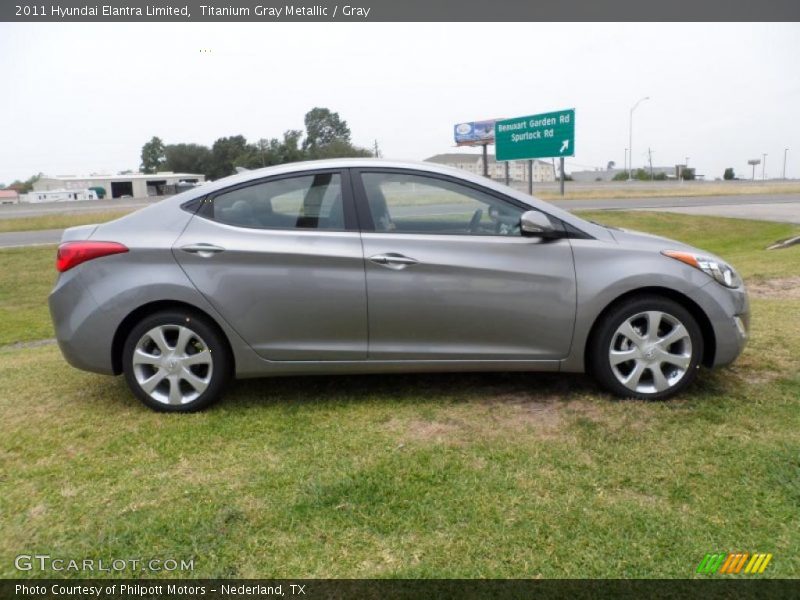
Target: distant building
[(609, 174), (517, 169), (58, 196), (136, 185), (9, 196)]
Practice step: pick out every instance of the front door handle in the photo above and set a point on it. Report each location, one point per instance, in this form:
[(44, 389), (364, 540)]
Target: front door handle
[(202, 249), (393, 260)]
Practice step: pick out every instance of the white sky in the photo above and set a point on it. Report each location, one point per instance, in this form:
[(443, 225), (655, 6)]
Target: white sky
[(80, 98)]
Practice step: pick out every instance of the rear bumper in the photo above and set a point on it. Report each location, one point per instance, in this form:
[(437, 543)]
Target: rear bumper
[(83, 331)]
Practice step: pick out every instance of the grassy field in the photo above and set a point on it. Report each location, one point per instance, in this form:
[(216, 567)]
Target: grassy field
[(59, 221), (26, 277), (480, 475)]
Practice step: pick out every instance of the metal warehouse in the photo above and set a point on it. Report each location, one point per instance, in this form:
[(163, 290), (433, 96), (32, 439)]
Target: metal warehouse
[(136, 185)]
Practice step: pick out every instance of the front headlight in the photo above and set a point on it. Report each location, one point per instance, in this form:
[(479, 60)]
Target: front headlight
[(723, 273)]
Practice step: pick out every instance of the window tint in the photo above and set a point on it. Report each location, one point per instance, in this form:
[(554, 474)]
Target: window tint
[(308, 202), (402, 203)]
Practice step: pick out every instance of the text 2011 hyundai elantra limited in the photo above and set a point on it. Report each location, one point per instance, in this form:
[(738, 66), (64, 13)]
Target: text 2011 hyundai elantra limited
[(368, 266)]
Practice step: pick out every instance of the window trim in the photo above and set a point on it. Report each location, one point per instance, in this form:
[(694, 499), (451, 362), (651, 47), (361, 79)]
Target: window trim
[(365, 216), (205, 211)]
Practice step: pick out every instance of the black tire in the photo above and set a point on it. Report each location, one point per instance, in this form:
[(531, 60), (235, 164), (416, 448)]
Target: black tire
[(215, 373), (600, 347)]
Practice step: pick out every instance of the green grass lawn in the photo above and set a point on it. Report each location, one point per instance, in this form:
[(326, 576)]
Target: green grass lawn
[(26, 277), (60, 221), (474, 475)]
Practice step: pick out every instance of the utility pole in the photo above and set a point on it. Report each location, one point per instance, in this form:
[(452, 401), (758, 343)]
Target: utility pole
[(764, 167), (785, 152), (625, 164), (485, 160), (530, 177), (376, 152), (650, 158)]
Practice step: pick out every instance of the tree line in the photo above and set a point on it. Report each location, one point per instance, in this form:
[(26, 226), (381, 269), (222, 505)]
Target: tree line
[(326, 136)]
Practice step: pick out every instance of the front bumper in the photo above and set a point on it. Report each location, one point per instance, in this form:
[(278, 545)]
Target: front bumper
[(728, 311)]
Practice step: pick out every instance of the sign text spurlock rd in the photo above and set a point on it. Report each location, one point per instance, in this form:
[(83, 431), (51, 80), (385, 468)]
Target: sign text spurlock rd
[(537, 136)]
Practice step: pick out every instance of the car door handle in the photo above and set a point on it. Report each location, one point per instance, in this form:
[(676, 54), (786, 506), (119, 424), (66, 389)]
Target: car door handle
[(204, 250), (393, 260)]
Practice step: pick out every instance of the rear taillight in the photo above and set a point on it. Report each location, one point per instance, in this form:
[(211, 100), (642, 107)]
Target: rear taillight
[(71, 254)]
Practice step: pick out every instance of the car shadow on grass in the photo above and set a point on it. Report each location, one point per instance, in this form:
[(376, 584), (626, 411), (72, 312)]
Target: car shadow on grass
[(413, 388)]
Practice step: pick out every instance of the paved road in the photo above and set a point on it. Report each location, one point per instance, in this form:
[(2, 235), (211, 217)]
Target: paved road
[(639, 203), (779, 207), (17, 239)]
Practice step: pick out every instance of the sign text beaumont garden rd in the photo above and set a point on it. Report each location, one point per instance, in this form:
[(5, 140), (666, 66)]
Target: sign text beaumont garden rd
[(537, 136)]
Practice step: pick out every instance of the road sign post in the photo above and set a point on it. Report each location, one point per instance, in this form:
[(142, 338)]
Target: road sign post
[(537, 136)]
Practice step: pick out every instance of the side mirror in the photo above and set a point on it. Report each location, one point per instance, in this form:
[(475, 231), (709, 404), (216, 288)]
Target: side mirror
[(535, 223)]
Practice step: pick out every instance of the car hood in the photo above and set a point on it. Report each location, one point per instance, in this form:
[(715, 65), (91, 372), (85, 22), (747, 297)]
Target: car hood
[(647, 241)]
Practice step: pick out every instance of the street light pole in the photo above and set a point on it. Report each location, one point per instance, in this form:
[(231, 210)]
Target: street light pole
[(630, 136), (785, 152)]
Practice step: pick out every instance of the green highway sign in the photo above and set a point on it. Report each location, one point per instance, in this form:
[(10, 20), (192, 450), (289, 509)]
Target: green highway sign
[(536, 136)]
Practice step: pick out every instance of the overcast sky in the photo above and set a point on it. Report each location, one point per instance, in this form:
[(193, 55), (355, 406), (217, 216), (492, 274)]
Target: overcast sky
[(81, 98)]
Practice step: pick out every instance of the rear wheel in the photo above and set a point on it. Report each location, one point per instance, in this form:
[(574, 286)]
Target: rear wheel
[(647, 347), (176, 361)]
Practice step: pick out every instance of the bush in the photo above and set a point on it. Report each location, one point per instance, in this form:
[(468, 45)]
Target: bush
[(729, 174)]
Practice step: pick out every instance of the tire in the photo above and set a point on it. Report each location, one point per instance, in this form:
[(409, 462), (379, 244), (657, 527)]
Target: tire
[(176, 361), (626, 357)]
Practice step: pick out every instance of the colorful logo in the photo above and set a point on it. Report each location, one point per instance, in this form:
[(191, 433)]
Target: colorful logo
[(734, 562)]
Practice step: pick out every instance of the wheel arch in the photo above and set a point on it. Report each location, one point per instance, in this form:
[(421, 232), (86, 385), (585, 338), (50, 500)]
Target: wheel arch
[(707, 330), (130, 321)]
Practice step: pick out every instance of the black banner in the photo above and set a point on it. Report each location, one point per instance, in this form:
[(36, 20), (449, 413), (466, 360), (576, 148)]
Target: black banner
[(405, 10), (397, 589)]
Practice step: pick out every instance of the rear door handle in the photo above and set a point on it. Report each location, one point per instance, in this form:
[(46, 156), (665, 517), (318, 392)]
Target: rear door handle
[(202, 249), (393, 260)]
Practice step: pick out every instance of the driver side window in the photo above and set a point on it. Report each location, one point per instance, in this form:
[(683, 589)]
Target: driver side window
[(405, 203)]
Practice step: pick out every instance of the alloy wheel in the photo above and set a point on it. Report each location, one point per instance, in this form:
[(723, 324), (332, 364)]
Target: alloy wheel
[(650, 352), (172, 364)]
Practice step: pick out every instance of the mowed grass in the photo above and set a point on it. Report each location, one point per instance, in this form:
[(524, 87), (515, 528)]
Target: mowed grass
[(469, 475), (26, 277), (60, 221)]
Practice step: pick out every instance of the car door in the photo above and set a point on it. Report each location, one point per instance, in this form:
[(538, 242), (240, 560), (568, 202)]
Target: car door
[(450, 276), (281, 261)]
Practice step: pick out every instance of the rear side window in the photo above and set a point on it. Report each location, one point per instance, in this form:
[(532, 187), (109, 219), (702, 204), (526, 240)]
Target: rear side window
[(307, 202)]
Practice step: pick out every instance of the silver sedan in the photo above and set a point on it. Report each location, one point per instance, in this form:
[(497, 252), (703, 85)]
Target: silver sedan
[(370, 266)]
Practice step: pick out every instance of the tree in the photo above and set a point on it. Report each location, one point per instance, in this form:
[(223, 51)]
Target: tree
[(687, 173), (152, 155), (729, 174), (338, 149), (323, 128), (227, 153), (24, 187), (187, 158)]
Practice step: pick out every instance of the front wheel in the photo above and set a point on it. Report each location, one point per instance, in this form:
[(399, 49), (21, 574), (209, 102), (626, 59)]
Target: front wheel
[(175, 361), (647, 347)]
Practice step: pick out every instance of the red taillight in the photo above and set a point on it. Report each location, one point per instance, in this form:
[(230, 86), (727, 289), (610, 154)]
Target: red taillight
[(71, 254)]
